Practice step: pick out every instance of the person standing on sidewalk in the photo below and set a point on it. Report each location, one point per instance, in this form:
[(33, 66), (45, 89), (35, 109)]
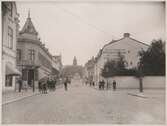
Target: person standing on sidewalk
[(40, 86), (20, 84), (114, 85)]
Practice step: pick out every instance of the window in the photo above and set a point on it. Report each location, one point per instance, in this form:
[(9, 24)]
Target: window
[(131, 63), (128, 51), (18, 54), (31, 54), (10, 38), (10, 9), (8, 82)]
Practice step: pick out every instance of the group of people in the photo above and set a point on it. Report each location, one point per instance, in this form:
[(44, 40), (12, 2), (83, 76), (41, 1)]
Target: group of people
[(44, 85), (102, 85)]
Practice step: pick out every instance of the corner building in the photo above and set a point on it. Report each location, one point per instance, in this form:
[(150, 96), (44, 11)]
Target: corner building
[(33, 58)]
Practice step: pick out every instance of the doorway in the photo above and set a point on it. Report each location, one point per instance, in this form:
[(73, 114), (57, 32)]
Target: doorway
[(30, 77)]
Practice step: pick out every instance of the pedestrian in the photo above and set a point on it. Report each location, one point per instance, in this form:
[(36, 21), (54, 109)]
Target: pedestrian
[(114, 85), (66, 83), (20, 84), (102, 84), (40, 87), (54, 84), (93, 83), (45, 88)]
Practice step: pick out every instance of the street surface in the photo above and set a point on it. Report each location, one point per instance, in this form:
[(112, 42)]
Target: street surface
[(83, 104)]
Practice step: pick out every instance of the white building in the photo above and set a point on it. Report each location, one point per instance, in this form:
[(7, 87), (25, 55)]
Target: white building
[(10, 28), (126, 46)]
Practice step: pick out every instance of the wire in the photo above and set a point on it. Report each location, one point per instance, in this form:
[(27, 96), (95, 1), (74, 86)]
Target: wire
[(85, 22)]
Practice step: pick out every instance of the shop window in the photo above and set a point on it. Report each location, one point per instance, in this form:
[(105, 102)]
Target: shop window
[(10, 38), (8, 82)]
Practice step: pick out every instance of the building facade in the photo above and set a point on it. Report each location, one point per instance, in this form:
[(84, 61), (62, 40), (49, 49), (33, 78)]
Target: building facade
[(10, 26), (128, 48), (89, 69), (33, 58), (73, 71), (56, 65)]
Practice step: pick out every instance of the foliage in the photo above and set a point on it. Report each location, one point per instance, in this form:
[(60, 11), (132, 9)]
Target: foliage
[(152, 61), (117, 67)]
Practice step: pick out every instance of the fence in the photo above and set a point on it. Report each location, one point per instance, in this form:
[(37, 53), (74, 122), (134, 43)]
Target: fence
[(130, 82)]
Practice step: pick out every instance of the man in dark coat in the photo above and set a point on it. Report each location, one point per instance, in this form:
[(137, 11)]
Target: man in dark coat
[(102, 84), (40, 86), (66, 83), (114, 85), (20, 84)]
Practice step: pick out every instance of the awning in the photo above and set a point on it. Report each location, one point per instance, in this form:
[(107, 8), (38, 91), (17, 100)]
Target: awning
[(10, 70)]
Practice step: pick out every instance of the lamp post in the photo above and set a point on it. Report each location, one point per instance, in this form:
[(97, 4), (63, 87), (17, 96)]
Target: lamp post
[(140, 65), (107, 70)]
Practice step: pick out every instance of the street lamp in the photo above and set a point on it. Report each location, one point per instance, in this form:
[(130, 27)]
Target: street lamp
[(107, 70), (140, 74)]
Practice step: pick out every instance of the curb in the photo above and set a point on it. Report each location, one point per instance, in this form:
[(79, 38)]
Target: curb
[(18, 99), (137, 95), (21, 98)]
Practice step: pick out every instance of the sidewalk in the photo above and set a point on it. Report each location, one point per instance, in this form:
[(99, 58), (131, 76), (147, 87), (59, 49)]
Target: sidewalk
[(12, 96), (147, 93)]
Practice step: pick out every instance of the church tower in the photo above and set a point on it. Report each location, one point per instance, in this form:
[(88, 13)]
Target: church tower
[(74, 61)]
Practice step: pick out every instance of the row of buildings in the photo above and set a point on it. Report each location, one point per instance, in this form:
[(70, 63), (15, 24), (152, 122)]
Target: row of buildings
[(23, 53), (126, 46)]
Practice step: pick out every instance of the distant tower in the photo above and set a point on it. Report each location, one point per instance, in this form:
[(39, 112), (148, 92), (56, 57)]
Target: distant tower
[(75, 61)]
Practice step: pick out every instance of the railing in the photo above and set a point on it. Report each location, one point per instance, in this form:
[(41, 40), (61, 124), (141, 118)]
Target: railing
[(27, 63)]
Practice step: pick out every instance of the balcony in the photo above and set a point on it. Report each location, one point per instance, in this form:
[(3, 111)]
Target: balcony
[(28, 63)]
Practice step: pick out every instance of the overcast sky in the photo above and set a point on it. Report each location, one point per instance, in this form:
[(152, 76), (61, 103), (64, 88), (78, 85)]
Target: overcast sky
[(81, 29)]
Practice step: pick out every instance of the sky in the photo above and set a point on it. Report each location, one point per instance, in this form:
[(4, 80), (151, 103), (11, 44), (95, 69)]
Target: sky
[(81, 29)]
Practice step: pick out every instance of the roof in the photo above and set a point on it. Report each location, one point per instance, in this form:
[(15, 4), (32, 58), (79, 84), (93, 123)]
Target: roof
[(114, 41), (29, 27)]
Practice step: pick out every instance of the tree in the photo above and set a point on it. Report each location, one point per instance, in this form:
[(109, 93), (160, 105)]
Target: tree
[(114, 67), (109, 69), (153, 59)]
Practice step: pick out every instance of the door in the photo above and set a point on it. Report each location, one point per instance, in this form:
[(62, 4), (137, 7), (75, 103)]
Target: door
[(30, 77)]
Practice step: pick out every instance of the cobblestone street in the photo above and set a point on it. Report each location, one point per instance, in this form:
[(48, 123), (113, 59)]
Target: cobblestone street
[(83, 104)]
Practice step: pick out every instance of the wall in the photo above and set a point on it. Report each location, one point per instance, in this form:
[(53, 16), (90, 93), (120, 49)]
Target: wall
[(130, 82), (8, 54), (127, 45), (25, 46)]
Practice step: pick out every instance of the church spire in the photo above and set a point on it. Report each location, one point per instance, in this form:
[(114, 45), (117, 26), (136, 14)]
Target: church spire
[(29, 13), (75, 61)]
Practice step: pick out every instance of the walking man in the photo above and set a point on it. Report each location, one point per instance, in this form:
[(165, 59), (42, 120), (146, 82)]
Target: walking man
[(114, 85), (65, 83)]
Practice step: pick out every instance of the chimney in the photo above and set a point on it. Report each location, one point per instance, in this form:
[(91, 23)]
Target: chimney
[(126, 35)]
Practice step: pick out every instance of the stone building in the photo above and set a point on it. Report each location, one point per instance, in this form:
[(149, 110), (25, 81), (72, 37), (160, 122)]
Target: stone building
[(126, 46), (73, 71), (33, 58), (10, 28), (56, 65), (89, 69)]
